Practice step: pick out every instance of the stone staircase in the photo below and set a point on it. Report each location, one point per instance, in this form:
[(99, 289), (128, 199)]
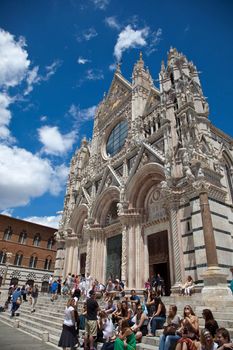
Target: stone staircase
[(46, 322)]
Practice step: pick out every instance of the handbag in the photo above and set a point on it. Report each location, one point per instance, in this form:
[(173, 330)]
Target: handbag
[(169, 330), (18, 301)]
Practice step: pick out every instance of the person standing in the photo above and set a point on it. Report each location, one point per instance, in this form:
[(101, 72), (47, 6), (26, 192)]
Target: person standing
[(68, 336), (91, 322), (54, 290), (16, 301), (50, 283), (59, 281), (34, 296), (24, 293), (88, 284)]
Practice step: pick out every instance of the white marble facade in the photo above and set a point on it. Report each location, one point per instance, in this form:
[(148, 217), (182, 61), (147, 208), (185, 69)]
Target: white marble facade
[(139, 179)]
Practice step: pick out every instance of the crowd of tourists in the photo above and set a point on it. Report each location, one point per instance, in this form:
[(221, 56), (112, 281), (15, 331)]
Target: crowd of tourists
[(17, 295), (123, 320)]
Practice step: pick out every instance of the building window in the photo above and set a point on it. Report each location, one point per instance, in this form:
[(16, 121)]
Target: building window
[(18, 259), (33, 262), (2, 257), (7, 233), (36, 241), (48, 264), (117, 138), (23, 237), (50, 243)]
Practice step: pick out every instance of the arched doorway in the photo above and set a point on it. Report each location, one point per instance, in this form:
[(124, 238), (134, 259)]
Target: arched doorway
[(159, 257), (113, 266), (45, 287), (83, 264), (30, 283), (14, 281)]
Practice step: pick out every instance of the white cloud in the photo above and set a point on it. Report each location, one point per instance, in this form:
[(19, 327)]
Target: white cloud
[(112, 66), (14, 62), (155, 39), (130, 38), (7, 212), (54, 142), (82, 60), (24, 176), (5, 116), (87, 34), (82, 114), (51, 69), (50, 221), (101, 4), (94, 74), (43, 118), (33, 76), (112, 22), (91, 75)]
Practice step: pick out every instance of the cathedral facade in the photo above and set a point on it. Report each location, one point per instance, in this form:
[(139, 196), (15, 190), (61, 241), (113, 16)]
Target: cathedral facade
[(152, 191)]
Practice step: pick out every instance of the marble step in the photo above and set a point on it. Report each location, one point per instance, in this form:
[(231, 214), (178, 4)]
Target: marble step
[(33, 326), (143, 346), (43, 316)]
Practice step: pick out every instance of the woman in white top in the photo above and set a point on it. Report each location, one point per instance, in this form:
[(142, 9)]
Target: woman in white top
[(68, 337), (105, 325)]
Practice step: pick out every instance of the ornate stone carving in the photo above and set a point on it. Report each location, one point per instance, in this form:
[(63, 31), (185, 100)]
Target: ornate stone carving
[(31, 276), (201, 186), (88, 257), (124, 255)]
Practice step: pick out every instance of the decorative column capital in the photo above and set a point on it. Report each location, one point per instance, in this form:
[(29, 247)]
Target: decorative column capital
[(201, 186), (132, 216)]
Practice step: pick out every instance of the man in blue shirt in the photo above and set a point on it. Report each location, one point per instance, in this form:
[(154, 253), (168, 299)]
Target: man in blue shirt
[(16, 301), (135, 298), (54, 287)]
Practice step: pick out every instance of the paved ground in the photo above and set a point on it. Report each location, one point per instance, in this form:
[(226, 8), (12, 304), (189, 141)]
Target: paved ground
[(14, 339)]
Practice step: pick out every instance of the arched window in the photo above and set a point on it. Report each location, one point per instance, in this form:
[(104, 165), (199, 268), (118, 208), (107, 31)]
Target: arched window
[(2, 256), (7, 233), (33, 261), (36, 241), (18, 259), (112, 215), (23, 237), (48, 263), (50, 243)]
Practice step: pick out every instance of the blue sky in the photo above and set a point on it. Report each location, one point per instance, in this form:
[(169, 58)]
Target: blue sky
[(57, 59)]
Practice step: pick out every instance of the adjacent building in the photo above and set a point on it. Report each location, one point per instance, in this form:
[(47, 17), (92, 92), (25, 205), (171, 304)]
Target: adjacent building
[(152, 191), (27, 252)]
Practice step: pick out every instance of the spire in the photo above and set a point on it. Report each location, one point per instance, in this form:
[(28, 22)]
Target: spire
[(141, 84), (118, 67)]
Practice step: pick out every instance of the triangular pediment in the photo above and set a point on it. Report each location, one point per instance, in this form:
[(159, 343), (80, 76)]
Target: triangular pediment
[(110, 178), (147, 154), (119, 90)]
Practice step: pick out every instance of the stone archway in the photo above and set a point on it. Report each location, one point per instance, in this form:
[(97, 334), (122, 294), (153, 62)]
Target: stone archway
[(139, 194), (104, 245), (147, 176)]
